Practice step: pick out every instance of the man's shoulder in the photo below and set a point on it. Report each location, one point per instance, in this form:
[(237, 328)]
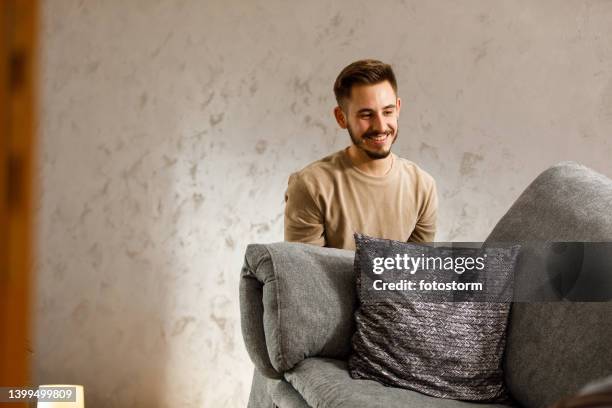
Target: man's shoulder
[(322, 170), (416, 172)]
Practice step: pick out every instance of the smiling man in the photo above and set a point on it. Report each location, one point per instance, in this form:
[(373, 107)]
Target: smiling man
[(365, 187)]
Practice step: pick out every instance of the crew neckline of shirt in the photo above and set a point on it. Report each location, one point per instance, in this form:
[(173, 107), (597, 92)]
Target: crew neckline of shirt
[(368, 177)]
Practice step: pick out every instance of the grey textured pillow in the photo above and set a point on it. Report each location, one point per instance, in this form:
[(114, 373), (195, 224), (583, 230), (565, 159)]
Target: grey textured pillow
[(297, 301), (440, 348)]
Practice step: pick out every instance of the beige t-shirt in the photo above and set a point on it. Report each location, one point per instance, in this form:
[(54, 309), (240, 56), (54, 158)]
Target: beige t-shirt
[(330, 199)]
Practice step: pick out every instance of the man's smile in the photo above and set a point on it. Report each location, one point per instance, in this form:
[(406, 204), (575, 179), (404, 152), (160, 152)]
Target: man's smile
[(378, 139)]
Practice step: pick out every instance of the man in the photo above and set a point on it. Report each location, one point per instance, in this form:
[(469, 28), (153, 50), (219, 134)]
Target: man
[(364, 188)]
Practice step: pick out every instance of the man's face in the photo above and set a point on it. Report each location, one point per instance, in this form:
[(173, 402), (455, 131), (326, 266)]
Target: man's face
[(370, 117)]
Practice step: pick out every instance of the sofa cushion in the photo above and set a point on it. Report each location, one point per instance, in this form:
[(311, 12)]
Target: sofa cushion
[(327, 383), (284, 395), (259, 397), (555, 348), (440, 348), (272, 393), (296, 300)]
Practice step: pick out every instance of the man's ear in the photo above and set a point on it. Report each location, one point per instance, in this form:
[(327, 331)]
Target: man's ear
[(340, 117), (399, 105)]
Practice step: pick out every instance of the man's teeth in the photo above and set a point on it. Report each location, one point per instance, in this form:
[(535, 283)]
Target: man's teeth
[(378, 138)]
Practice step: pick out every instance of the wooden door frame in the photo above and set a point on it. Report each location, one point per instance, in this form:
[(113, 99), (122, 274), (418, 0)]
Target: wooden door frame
[(19, 72)]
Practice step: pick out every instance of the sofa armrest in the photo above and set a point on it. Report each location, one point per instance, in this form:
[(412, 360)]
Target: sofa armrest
[(296, 301), (553, 348)]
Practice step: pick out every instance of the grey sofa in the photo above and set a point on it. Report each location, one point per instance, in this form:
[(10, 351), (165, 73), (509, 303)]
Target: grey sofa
[(297, 303)]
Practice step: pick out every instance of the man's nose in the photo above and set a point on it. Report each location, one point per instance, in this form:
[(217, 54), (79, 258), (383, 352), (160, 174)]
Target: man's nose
[(378, 124)]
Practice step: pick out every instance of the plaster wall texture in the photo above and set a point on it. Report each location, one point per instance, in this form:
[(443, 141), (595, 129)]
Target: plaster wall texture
[(169, 128)]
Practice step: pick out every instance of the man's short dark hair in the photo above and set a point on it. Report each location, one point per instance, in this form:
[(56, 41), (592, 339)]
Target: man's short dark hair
[(362, 72)]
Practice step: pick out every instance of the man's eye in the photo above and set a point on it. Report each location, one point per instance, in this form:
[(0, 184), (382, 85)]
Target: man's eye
[(388, 113), (366, 116)]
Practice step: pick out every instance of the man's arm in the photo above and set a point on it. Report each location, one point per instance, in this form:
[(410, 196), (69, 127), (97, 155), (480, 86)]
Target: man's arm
[(425, 228), (304, 221)]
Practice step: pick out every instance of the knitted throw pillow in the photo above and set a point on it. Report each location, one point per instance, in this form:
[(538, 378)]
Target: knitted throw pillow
[(435, 344)]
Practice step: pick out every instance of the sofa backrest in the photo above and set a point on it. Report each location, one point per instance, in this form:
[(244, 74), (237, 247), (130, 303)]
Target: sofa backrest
[(296, 301), (553, 349)]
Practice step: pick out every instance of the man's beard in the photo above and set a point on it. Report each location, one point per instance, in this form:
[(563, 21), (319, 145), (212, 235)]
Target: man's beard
[(359, 143)]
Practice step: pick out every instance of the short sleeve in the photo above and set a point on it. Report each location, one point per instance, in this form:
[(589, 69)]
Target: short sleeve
[(425, 228), (304, 221)]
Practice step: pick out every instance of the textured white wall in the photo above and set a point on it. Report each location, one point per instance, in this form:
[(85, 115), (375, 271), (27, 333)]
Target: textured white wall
[(169, 128)]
